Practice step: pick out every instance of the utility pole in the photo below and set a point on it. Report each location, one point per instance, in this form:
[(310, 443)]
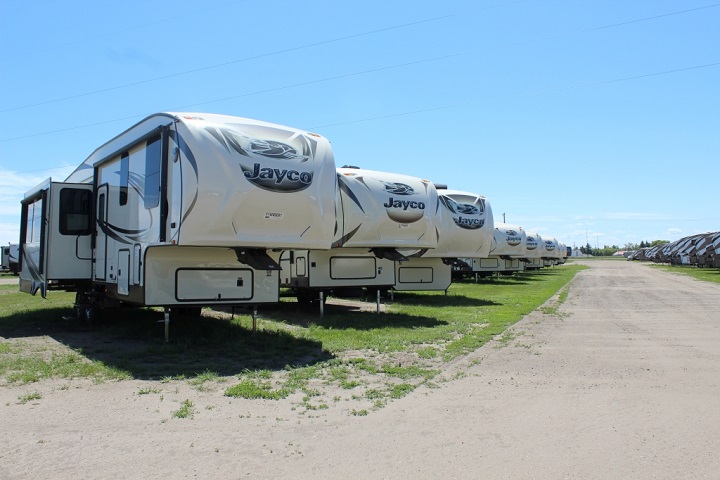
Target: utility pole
[(503, 218)]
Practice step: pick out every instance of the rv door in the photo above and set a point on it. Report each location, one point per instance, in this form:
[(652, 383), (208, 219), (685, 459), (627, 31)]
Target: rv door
[(101, 232), (55, 236), (33, 242)]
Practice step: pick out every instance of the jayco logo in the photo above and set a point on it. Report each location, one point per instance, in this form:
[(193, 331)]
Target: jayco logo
[(273, 149), (399, 188), (469, 223), (269, 164), (549, 245), (467, 209), (531, 243), (399, 210), (513, 239), (459, 209), (404, 204), (278, 176)]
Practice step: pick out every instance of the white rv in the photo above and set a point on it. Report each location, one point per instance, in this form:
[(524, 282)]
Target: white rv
[(508, 248), (467, 225), (467, 229), (533, 251), (394, 231), (551, 252), (178, 211), (377, 213)]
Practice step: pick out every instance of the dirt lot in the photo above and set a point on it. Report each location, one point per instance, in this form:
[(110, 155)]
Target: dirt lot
[(623, 383)]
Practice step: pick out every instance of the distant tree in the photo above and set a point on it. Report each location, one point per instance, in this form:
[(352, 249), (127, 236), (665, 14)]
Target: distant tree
[(644, 244), (605, 251)]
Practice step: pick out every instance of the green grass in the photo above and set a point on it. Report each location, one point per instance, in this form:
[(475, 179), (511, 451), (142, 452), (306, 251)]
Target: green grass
[(291, 351), (460, 322), (186, 410), (29, 397), (400, 390), (148, 390), (256, 389), (704, 274)]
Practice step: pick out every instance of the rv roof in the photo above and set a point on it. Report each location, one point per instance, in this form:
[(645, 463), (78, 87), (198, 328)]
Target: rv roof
[(146, 126)]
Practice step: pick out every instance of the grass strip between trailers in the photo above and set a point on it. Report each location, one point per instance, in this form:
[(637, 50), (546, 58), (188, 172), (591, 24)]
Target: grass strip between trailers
[(364, 355)]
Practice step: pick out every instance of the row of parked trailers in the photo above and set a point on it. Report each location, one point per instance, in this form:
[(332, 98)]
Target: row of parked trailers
[(701, 250), (9, 255), (185, 210)]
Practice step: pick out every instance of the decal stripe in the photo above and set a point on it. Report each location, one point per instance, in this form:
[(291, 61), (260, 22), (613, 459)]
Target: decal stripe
[(347, 237), (349, 193), (214, 132), (191, 160)]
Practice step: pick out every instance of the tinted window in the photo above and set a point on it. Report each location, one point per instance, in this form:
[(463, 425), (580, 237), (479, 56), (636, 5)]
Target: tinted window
[(124, 176), (75, 210), (153, 163), (34, 231)]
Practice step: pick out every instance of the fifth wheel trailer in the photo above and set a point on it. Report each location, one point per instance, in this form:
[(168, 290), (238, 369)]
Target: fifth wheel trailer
[(394, 231), (377, 214), (466, 232), (534, 248), (508, 248), (179, 211), (551, 252)]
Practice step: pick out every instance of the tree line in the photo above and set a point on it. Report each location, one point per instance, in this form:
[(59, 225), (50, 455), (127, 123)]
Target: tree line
[(608, 251)]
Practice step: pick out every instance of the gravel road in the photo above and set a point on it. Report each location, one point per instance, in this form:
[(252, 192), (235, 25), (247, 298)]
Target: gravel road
[(624, 382)]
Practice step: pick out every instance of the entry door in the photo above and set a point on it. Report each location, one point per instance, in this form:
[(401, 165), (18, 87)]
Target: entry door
[(100, 233)]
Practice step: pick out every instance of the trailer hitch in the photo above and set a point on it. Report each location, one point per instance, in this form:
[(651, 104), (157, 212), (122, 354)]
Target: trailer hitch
[(389, 254), (256, 258)]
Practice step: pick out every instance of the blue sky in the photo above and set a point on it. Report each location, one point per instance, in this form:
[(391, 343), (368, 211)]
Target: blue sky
[(591, 121)]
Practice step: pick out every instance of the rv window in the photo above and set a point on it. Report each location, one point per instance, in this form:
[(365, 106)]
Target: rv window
[(75, 208), (153, 162), (28, 222), (34, 221), (124, 176), (101, 209), (37, 220)]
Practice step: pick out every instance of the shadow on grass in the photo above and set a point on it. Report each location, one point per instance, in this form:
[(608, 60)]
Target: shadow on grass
[(353, 316), (133, 340), (451, 300), (521, 278)]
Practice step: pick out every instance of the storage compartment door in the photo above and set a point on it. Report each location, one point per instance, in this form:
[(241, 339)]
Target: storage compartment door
[(213, 284), (415, 275), (353, 268), (123, 274)]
